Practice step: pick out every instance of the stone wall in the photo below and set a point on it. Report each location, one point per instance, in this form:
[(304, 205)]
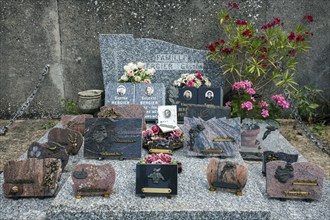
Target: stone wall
[(64, 34)]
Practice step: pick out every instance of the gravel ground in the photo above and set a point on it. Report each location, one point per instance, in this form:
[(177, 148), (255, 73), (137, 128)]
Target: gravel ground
[(23, 132)]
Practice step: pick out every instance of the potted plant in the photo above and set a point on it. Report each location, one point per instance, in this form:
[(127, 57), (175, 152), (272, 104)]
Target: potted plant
[(157, 175), (157, 141)]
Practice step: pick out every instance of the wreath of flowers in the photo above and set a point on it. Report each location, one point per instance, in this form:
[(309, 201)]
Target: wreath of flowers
[(155, 133)]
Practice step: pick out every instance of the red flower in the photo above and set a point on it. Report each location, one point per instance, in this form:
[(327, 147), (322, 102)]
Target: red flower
[(263, 56), (155, 129), (216, 43), (309, 33), (199, 76), (241, 22), (247, 32), (222, 41), (277, 21), (264, 49), (237, 46), (309, 18), (299, 38), (211, 48), (263, 39), (235, 5), (291, 36), (264, 65), (227, 50), (268, 25)]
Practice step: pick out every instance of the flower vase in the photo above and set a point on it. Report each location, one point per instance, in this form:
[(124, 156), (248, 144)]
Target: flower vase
[(249, 137)]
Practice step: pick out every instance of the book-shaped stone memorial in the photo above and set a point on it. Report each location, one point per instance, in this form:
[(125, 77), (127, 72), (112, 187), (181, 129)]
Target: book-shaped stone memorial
[(108, 138), (215, 137), (300, 180), (31, 178), (271, 156), (48, 150), (156, 179), (93, 180), (226, 175), (68, 138)]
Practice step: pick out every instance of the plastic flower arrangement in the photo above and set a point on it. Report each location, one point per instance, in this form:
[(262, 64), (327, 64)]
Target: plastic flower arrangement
[(247, 104), (192, 80), (136, 73), (266, 55), (158, 159), (154, 133)]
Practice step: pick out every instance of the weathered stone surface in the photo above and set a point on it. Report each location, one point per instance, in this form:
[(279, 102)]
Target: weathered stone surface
[(92, 180), (31, 178), (156, 179), (271, 156), (122, 111), (215, 137), (226, 175), (70, 139), (48, 150), (113, 138), (75, 122), (300, 180), (207, 112)]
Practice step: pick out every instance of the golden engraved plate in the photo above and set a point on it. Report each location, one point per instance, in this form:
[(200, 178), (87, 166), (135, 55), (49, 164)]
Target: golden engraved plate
[(296, 193), (212, 151), (157, 190), (305, 183), (219, 139), (160, 151)]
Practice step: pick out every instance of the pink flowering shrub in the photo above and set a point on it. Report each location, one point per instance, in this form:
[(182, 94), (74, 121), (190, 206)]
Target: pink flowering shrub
[(247, 104), (154, 133)]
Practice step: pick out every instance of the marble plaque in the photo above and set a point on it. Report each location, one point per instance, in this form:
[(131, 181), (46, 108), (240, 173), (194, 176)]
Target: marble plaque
[(169, 60), (150, 96), (271, 156), (92, 180), (70, 139), (119, 93), (207, 112), (48, 150), (167, 114), (32, 177), (156, 179), (215, 137), (109, 138), (299, 180), (210, 96), (226, 175), (75, 122)]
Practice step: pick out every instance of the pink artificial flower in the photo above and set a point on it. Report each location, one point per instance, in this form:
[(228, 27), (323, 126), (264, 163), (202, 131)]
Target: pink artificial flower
[(199, 76), (190, 83), (147, 81), (262, 104), (151, 158), (247, 105), (177, 133), (166, 158), (250, 91), (264, 113), (130, 73), (155, 129), (228, 104)]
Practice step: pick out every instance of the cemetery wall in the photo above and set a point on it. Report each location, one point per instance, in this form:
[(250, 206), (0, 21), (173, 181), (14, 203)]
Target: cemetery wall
[(65, 34)]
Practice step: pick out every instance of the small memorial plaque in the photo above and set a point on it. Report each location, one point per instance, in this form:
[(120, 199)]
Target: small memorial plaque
[(271, 156), (70, 139), (92, 180), (120, 93), (156, 179), (226, 175), (75, 122), (210, 96), (150, 96), (299, 180), (207, 112), (48, 150), (113, 138), (167, 114), (33, 177), (215, 137)]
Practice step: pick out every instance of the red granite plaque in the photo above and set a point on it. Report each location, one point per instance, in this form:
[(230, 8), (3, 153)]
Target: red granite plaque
[(31, 178), (300, 180), (93, 180), (226, 175), (75, 122), (70, 139)]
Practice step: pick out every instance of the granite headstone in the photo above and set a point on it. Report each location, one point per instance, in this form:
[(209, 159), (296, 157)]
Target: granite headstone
[(169, 60), (299, 180), (113, 138), (70, 139), (75, 122)]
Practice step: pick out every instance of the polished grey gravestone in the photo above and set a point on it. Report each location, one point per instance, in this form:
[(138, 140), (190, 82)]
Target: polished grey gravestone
[(119, 93), (169, 60)]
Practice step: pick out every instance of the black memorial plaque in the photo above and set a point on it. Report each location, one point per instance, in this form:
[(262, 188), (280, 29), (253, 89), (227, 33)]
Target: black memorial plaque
[(210, 96), (107, 138), (156, 179)]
